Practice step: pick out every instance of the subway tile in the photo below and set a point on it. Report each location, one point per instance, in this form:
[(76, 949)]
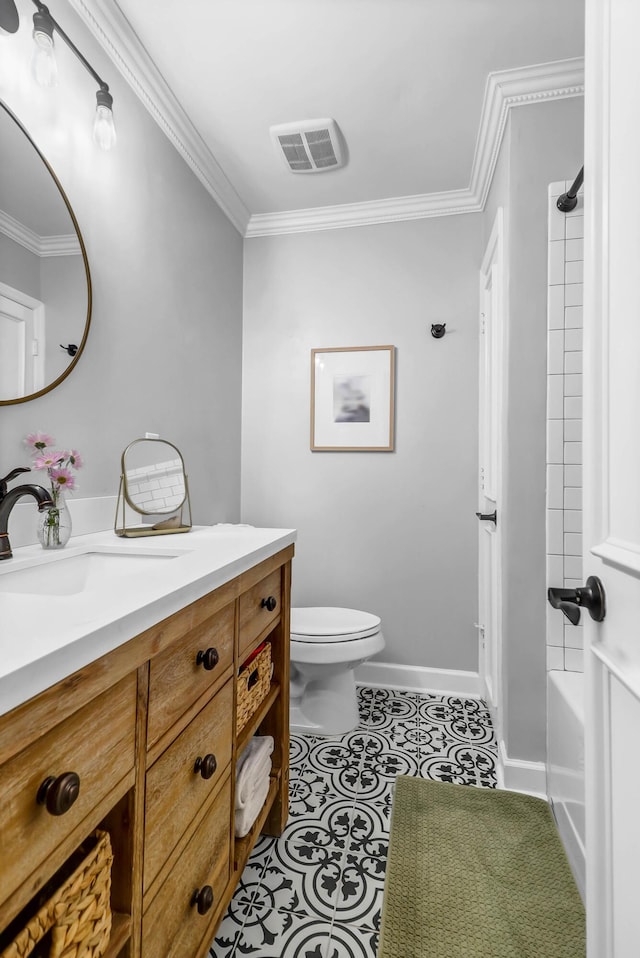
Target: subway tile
[(573, 453), (578, 209), (574, 250), (555, 441), (574, 271), (573, 317), (555, 351), (556, 221), (555, 627), (555, 397), (573, 294), (573, 520), (555, 487), (573, 407), (573, 430), (572, 363), (556, 263), (555, 659), (574, 583), (572, 543), (555, 307), (573, 637), (573, 337), (573, 570), (574, 660), (555, 532), (572, 498), (573, 385), (555, 571), (574, 227), (573, 475)]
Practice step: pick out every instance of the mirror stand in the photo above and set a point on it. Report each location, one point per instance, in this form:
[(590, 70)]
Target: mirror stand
[(153, 483)]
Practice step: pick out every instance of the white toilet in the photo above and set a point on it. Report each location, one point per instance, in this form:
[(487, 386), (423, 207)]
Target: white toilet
[(327, 644)]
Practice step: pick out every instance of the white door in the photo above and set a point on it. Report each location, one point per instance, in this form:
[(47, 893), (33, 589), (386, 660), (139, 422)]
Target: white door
[(21, 343), (612, 474), (492, 301)]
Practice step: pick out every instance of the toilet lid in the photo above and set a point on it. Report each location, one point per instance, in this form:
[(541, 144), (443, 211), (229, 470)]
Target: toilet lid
[(322, 624)]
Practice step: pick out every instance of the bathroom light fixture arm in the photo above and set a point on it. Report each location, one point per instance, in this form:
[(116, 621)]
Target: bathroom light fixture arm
[(44, 10)]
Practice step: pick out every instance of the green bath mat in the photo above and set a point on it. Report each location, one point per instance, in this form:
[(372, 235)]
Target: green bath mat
[(477, 873)]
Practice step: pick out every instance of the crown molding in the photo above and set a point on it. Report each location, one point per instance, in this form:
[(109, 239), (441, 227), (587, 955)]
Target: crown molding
[(504, 90), (39, 245), (113, 32)]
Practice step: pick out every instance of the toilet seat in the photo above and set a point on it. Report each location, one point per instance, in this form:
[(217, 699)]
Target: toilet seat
[(324, 624)]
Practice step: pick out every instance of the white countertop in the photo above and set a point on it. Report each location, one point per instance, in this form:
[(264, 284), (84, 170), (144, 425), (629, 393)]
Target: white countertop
[(44, 638)]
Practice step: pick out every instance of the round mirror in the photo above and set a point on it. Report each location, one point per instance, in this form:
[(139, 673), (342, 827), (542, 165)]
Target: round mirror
[(45, 285), (154, 479)]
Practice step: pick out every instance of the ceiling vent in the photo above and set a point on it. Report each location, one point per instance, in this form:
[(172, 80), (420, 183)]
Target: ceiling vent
[(310, 146)]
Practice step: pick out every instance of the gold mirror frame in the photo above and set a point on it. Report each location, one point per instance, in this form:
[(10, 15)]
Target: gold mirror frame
[(67, 370), (172, 524)]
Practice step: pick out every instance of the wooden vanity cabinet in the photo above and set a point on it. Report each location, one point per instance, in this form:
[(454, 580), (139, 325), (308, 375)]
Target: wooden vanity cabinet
[(150, 731)]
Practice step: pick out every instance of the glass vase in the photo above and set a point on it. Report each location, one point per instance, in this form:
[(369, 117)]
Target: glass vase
[(54, 524)]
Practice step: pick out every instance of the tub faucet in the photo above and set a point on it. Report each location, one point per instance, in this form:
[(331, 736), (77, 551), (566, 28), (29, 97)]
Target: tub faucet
[(8, 499)]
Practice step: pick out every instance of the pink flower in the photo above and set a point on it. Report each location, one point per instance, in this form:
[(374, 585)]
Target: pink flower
[(62, 478), (75, 459), (39, 440), (47, 459)]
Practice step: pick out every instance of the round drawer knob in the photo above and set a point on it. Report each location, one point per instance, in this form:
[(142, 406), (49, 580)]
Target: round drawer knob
[(208, 659), (203, 899), (269, 603), (59, 794), (206, 766)]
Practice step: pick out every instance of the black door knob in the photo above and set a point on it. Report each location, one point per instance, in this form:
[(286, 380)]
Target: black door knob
[(206, 766), (59, 794), (489, 516), (208, 659), (203, 899), (570, 601), (269, 603)]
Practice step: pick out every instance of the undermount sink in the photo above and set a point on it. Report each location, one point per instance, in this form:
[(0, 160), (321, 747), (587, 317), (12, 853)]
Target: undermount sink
[(69, 574)]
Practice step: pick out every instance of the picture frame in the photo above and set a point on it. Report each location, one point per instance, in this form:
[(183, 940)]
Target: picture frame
[(352, 399)]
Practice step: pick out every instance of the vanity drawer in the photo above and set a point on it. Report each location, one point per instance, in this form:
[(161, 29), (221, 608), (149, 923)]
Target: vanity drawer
[(259, 607), (183, 672), (96, 744), (172, 926), (175, 789)]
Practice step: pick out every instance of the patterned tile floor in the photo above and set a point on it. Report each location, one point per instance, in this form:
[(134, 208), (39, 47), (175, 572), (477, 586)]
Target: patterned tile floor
[(316, 892)]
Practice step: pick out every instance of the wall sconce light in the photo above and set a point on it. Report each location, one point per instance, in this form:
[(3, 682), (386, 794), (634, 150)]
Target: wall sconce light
[(45, 69), (45, 72)]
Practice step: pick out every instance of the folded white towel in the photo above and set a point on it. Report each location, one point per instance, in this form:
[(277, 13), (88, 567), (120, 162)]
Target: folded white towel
[(245, 817), (253, 768)]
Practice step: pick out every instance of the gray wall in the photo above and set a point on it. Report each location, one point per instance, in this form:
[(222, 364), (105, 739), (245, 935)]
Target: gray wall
[(165, 348), (543, 142), (392, 533)]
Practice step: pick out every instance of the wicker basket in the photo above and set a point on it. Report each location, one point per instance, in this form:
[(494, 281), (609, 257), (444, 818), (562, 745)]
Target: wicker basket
[(75, 920), (254, 682)]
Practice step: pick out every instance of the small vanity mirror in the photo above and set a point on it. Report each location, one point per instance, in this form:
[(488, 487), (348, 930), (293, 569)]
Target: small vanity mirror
[(45, 286), (153, 483)]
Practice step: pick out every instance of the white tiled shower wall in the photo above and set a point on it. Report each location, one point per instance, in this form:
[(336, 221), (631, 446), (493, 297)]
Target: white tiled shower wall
[(564, 423)]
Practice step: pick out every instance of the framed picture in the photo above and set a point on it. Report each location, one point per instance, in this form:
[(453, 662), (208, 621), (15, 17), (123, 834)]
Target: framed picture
[(352, 392)]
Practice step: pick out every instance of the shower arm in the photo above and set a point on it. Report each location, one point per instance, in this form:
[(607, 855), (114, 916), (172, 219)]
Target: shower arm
[(569, 200)]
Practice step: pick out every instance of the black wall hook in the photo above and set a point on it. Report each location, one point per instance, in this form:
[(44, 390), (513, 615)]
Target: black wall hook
[(71, 349), (438, 330)]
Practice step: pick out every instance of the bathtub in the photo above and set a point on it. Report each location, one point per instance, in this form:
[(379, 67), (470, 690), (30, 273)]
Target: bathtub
[(565, 765)]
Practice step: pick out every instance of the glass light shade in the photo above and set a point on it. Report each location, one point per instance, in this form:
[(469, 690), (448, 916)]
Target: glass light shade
[(43, 65), (104, 131)]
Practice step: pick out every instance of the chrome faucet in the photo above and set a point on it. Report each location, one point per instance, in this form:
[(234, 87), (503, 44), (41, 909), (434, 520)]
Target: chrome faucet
[(8, 499)]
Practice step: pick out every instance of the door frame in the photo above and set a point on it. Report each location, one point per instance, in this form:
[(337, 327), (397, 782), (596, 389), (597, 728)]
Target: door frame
[(493, 281), (35, 360)]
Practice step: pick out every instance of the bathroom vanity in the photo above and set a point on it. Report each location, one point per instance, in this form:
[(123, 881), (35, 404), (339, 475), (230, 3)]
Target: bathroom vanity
[(121, 694)]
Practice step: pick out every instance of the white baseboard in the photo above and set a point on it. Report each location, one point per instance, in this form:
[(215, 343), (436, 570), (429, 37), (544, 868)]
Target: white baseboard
[(519, 776), (412, 678)]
